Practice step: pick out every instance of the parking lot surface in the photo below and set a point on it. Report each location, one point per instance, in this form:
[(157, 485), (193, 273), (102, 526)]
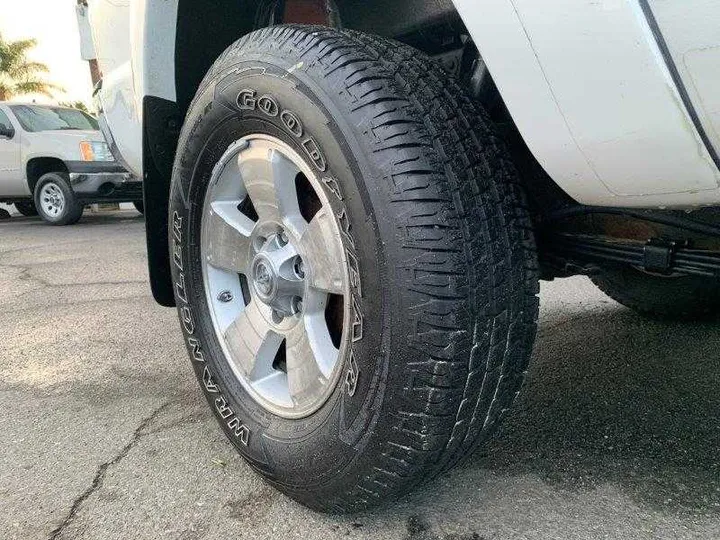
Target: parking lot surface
[(104, 433)]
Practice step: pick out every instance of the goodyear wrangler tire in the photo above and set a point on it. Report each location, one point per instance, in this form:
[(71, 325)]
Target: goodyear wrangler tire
[(354, 265)]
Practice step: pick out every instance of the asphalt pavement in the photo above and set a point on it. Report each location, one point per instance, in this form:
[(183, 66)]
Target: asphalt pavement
[(105, 434)]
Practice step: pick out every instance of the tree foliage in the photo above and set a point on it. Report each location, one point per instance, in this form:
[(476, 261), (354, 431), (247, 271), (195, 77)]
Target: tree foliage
[(75, 105), (18, 74)]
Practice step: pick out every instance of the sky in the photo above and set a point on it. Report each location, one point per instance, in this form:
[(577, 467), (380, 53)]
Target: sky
[(54, 25)]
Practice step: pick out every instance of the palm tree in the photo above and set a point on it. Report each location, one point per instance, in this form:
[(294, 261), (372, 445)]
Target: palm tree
[(18, 75), (75, 105)]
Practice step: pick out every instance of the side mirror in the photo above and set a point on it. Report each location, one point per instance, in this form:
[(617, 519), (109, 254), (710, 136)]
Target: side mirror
[(6, 131)]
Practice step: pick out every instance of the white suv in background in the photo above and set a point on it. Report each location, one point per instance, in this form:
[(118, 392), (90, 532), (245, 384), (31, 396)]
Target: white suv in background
[(53, 161)]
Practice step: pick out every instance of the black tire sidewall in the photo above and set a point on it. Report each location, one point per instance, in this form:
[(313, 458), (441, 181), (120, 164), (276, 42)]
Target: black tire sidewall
[(72, 209), (341, 426)]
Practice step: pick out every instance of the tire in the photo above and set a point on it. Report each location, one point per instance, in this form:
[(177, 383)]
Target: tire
[(437, 242), (659, 297), (26, 208), (139, 206), (66, 210)]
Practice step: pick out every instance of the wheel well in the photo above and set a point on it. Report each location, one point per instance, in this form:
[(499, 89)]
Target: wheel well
[(205, 28), (216, 24), (36, 167)]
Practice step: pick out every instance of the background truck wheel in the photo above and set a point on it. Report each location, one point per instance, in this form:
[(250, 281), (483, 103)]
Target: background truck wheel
[(671, 297), (139, 206), (26, 208), (354, 266), (55, 201)]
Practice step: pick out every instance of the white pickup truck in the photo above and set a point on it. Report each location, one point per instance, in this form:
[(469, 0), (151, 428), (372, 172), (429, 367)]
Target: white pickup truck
[(54, 161), (351, 204)]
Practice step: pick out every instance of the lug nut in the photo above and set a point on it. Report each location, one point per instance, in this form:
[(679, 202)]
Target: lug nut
[(259, 242), (225, 297), (282, 238), (276, 317), (297, 304), (299, 267)]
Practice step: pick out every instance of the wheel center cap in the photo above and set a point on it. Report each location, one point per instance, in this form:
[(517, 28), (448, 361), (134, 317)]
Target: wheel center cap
[(264, 278)]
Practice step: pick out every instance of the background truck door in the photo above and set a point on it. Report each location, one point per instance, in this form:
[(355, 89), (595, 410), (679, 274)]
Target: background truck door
[(12, 181)]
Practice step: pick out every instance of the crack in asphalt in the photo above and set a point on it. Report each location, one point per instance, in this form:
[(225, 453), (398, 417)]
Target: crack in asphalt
[(26, 275), (44, 308), (41, 284), (48, 245), (99, 477)]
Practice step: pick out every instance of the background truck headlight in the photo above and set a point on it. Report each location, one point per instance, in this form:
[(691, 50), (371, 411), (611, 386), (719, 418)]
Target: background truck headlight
[(95, 151)]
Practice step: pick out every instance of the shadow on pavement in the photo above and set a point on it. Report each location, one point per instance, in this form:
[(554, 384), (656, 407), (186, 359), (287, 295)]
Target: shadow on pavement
[(612, 397), (88, 219)]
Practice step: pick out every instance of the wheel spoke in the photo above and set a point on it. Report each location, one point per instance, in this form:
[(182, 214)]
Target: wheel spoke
[(311, 357), (323, 251), (252, 343), (228, 237), (275, 385), (269, 178)]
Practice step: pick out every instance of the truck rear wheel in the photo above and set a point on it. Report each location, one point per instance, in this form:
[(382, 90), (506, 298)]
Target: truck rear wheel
[(354, 266), (55, 200), (661, 297)]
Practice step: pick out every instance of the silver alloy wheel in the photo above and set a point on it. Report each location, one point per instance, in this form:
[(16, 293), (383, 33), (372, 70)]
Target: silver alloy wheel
[(52, 199), (270, 274)]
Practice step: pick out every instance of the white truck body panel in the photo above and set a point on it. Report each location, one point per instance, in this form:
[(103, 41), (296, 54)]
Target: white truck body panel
[(87, 49), (110, 22), (11, 175), (692, 32), (585, 81), (136, 53), (592, 96)]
